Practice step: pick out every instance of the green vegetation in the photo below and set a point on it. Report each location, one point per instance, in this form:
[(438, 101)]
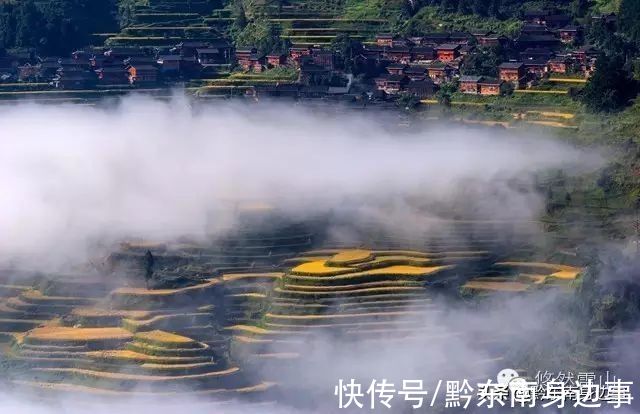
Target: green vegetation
[(611, 87), (629, 19), (371, 9), (56, 26), (434, 19), (483, 61), (260, 33)]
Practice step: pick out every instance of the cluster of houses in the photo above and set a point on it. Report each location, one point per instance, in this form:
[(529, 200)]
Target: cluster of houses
[(117, 66), (547, 43)]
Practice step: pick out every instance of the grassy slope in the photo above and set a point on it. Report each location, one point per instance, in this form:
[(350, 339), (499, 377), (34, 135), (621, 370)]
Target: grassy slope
[(433, 19)]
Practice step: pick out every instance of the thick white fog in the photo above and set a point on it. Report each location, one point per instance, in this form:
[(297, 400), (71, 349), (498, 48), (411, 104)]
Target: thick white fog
[(73, 177)]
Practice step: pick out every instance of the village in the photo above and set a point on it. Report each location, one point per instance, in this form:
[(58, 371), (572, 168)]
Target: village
[(383, 68)]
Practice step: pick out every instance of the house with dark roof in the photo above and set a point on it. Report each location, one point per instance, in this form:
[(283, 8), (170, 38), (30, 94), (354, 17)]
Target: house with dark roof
[(490, 86), (570, 34), (447, 52), (396, 68), (170, 64), (556, 20), (440, 72), (324, 58), (422, 89), (75, 79), (145, 75), (243, 56), (525, 41), (480, 85), (417, 73), (536, 53), (386, 39), (400, 54), (536, 68), (469, 84), (559, 64), (423, 53), (513, 72), (211, 56), (312, 74), (391, 84), (275, 60), (113, 76), (435, 38)]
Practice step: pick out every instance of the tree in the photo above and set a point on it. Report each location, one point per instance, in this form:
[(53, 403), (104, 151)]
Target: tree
[(148, 267), (347, 49), (55, 26), (445, 93), (480, 7), (629, 19), (126, 12), (408, 101), (29, 23), (261, 34), (611, 86), (483, 61)]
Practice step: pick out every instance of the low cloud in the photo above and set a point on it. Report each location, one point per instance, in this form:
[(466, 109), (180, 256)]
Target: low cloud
[(75, 178)]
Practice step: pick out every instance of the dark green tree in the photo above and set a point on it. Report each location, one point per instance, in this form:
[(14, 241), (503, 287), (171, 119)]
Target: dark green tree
[(629, 19), (29, 24), (483, 61), (148, 267), (611, 86)]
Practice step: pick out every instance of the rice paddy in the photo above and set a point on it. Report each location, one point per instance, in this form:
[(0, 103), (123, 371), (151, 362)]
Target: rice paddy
[(201, 336)]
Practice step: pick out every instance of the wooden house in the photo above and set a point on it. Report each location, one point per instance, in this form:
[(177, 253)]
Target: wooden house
[(435, 38), (297, 53), (585, 54), (559, 64), (570, 34), (536, 53), (396, 68), (489, 86), (385, 39), (512, 72), (536, 68), (324, 58), (492, 40), (556, 20), (170, 64), (422, 54), (525, 41), (469, 84), (422, 89), (243, 56), (112, 76), (275, 60), (417, 73), (257, 62), (210, 56), (447, 52), (189, 48), (311, 74), (439, 72), (75, 79), (391, 84), (143, 74), (401, 54)]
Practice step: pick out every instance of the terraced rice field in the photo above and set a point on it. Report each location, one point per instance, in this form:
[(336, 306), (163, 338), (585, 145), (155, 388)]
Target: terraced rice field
[(251, 304)]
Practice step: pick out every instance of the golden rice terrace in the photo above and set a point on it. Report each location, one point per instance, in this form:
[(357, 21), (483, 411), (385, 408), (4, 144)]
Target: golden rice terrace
[(226, 323)]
